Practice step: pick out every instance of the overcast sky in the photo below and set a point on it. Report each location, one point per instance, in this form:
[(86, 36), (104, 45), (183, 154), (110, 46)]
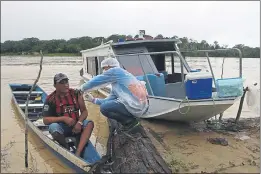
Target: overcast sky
[(227, 22)]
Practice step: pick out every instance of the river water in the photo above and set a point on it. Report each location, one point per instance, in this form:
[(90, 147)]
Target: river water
[(25, 69)]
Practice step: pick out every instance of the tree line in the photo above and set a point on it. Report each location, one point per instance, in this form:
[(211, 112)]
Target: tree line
[(75, 45)]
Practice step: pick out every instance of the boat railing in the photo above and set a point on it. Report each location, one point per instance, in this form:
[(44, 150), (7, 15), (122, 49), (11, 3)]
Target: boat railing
[(182, 62), (220, 50)]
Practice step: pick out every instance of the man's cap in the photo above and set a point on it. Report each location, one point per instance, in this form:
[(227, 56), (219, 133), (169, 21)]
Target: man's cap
[(59, 77)]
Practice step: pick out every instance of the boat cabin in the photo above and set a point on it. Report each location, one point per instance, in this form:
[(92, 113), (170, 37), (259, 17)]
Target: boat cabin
[(162, 67)]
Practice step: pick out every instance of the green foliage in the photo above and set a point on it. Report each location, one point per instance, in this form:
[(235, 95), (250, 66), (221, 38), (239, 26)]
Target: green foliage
[(75, 45), (190, 44)]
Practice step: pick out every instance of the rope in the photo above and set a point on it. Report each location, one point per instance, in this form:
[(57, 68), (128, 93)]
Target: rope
[(214, 106), (183, 113), (186, 98), (216, 122)]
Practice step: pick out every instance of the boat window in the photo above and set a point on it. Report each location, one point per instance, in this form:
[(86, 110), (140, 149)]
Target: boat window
[(86, 66), (132, 64), (172, 70), (161, 61), (89, 65), (135, 64), (100, 59), (168, 66), (96, 70), (92, 65)]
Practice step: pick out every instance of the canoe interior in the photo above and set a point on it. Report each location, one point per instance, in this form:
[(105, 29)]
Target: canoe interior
[(35, 107)]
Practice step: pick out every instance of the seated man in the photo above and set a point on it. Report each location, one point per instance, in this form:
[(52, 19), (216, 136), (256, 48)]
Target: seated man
[(128, 98), (61, 113)]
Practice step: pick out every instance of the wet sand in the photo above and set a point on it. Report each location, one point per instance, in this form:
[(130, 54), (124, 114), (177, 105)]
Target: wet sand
[(187, 150)]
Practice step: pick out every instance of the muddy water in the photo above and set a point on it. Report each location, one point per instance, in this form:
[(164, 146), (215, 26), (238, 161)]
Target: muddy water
[(25, 69)]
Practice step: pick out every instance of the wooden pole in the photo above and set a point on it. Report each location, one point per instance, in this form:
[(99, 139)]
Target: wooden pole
[(241, 104), (26, 111)]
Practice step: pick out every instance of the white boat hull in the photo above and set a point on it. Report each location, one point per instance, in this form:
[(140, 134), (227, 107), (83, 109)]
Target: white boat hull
[(185, 112)]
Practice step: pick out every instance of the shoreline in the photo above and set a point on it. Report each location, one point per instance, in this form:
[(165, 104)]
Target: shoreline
[(79, 55), (47, 55)]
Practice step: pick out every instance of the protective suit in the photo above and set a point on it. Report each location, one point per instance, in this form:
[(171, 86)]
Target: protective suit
[(126, 89)]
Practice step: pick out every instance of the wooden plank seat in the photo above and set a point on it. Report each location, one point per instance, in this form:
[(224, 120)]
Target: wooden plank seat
[(27, 92), (31, 106)]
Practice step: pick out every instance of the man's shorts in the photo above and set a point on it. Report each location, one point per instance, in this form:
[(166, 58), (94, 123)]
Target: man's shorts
[(64, 129)]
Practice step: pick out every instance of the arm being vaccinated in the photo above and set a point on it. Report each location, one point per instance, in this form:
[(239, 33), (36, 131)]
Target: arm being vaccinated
[(97, 82)]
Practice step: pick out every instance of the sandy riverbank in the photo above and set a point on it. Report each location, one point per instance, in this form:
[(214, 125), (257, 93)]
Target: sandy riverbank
[(186, 149)]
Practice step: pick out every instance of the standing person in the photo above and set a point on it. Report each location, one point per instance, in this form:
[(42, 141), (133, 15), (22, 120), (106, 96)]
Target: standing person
[(128, 98), (61, 113)]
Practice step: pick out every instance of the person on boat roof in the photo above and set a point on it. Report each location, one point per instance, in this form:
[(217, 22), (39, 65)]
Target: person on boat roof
[(61, 113), (128, 97)]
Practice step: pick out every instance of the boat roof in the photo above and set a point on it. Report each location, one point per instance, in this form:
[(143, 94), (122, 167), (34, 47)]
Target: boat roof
[(131, 43), (102, 46), (146, 42)]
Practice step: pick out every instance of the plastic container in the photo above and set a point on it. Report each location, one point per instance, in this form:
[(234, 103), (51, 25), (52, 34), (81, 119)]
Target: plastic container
[(157, 83), (198, 85), (229, 87), (121, 40), (195, 70), (165, 73)]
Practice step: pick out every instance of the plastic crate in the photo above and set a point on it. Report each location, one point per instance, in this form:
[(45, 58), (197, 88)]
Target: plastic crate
[(229, 87)]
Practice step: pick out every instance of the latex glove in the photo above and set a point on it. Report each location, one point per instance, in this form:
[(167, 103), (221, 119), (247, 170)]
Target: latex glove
[(143, 83), (89, 97)]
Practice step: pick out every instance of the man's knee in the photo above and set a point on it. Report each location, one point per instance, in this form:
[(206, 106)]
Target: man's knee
[(88, 123), (55, 127)]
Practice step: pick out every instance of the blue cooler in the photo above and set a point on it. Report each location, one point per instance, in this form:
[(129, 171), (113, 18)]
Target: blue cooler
[(229, 87), (198, 85)]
